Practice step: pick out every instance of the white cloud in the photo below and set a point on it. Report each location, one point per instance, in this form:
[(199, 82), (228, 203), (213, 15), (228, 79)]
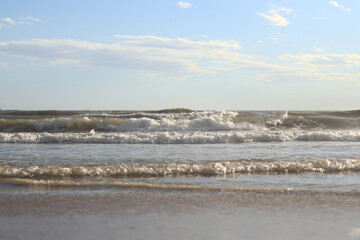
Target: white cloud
[(179, 58), (274, 18), (336, 4), (184, 4), (8, 21), (146, 53), (171, 58), (325, 67), (82, 53)]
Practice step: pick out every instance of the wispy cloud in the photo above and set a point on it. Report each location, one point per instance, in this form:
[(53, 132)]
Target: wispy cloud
[(325, 67), (274, 17), (146, 53), (9, 22), (184, 4), (172, 58), (336, 4), (180, 58), (325, 60), (28, 20), (176, 43), (87, 54)]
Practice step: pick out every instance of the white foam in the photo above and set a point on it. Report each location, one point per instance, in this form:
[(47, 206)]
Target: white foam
[(182, 137), (212, 168), (196, 121), (278, 121)]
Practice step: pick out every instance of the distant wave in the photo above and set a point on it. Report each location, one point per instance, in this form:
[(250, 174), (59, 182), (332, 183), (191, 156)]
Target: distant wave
[(174, 169)]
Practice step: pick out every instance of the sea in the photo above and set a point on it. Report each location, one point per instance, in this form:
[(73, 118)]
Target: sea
[(180, 174)]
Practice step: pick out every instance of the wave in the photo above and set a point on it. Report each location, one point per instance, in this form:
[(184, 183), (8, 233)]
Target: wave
[(197, 137), (62, 183), (87, 184), (176, 120), (180, 169), (142, 185), (204, 121)]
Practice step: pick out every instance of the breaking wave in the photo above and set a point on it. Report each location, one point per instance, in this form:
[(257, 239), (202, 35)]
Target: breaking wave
[(182, 169), (198, 137), (201, 121), (167, 126)]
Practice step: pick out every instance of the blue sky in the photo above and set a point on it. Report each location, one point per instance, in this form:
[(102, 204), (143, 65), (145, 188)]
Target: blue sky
[(230, 54)]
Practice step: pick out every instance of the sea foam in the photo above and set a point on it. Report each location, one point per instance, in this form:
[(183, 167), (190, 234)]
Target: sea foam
[(171, 169), (197, 137)]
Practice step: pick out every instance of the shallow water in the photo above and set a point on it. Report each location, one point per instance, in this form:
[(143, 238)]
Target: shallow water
[(93, 213)]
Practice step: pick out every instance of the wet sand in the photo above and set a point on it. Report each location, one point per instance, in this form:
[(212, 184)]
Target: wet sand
[(141, 213)]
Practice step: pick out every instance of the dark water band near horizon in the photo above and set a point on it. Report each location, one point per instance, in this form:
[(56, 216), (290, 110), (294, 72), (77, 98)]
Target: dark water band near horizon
[(180, 174)]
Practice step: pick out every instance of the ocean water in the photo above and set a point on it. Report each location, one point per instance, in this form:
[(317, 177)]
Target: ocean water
[(284, 172)]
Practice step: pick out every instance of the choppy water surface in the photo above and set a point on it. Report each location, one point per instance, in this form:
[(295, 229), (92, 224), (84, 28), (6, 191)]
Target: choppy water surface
[(250, 150)]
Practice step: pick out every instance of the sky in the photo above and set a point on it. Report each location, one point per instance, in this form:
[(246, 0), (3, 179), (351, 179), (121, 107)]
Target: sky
[(199, 54)]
